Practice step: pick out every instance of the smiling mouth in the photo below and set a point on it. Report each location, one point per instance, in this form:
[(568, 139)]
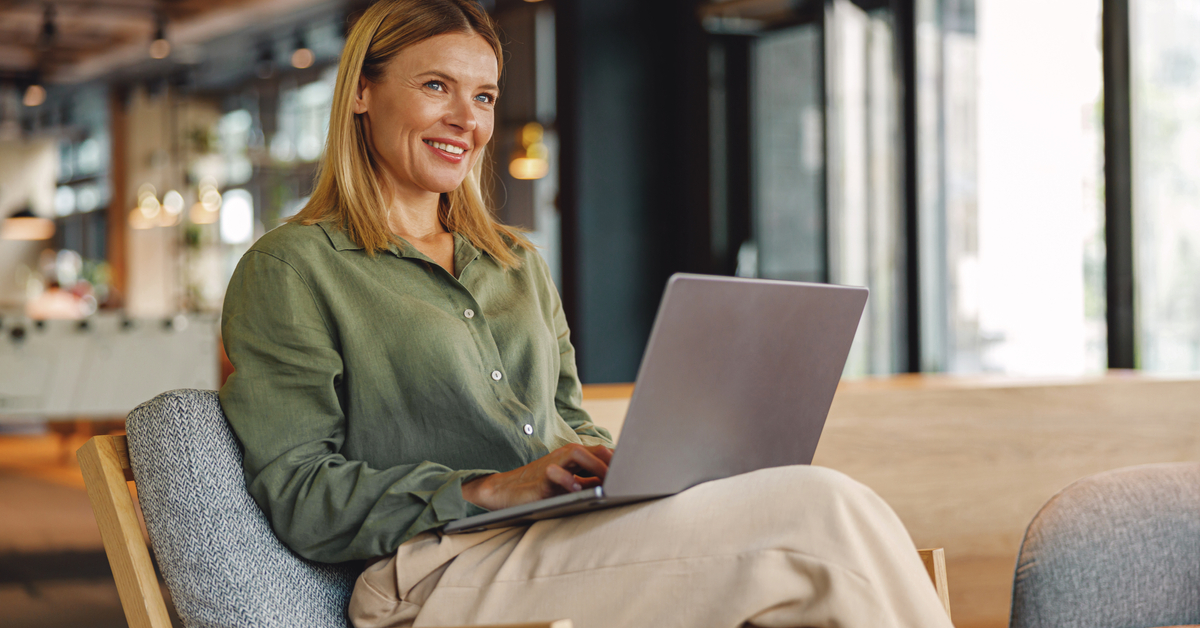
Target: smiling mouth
[(453, 150)]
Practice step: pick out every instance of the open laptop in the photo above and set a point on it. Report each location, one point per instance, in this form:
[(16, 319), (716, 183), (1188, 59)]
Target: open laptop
[(738, 375)]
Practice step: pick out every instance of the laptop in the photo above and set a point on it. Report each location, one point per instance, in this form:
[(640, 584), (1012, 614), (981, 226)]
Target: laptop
[(738, 375)]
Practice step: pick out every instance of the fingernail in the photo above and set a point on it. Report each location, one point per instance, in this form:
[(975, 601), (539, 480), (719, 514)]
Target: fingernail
[(577, 486)]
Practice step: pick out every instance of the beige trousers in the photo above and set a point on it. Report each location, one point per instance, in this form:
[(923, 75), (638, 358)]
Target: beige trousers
[(791, 546)]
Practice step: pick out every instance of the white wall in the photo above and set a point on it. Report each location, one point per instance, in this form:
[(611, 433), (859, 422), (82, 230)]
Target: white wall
[(155, 275), (28, 171)]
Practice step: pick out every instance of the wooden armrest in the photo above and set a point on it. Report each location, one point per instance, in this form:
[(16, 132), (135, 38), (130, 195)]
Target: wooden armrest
[(935, 565), (104, 463)]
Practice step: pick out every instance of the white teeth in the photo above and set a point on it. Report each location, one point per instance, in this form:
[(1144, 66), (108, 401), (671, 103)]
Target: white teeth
[(453, 150)]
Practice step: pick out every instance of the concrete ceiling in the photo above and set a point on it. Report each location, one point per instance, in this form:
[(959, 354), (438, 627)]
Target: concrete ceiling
[(90, 39)]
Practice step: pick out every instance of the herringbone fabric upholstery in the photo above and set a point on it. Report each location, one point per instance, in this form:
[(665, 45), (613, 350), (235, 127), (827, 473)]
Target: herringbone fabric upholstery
[(1119, 549), (221, 561)]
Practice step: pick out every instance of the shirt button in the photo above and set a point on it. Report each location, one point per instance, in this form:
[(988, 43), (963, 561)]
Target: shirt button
[(469, 313), (496, 375), (528, 429)]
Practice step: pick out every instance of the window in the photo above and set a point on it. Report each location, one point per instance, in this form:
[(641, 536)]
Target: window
[(1165, 95), (865, 224), (825, 164), (1010, 144)]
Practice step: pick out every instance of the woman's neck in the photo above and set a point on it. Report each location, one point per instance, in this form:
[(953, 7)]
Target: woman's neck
[(415, 215)]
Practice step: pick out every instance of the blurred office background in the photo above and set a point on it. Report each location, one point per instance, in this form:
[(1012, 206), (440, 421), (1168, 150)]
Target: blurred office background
[(1014, 180), (1012, 185)]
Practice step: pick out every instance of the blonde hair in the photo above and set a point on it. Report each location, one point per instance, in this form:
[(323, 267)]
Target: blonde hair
[(348, 191)]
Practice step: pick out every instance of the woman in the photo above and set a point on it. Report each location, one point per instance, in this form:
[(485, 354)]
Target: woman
[(403, 361)]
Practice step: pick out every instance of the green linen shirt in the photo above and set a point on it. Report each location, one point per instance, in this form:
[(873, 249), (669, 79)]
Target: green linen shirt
[(367, 390)]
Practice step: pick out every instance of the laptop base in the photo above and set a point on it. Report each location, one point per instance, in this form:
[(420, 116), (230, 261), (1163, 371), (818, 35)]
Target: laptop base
[(551, 508)]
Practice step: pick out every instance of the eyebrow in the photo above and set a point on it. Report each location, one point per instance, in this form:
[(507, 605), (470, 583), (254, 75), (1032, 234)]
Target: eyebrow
[(447, 77)]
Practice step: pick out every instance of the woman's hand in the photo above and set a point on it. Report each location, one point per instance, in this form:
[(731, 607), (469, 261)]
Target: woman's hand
[(564, 470)]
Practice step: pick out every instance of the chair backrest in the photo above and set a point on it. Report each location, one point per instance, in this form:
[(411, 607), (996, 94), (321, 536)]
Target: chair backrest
[(221, 561), (1116, 549)]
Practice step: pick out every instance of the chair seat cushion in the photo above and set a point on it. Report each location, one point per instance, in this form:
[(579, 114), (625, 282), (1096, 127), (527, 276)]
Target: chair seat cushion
[(221, 561)]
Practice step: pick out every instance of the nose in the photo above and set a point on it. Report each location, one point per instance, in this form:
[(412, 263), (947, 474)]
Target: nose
[(462, 115)]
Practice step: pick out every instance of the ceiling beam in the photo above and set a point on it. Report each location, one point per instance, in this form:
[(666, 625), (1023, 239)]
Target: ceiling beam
[(116, 34)]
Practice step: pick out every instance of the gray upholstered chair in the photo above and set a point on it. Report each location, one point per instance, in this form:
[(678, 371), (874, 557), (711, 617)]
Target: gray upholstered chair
[(221, 561), (217, 553), (1120, 549)]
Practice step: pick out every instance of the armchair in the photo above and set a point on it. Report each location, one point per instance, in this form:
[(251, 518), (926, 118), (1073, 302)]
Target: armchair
[(218, 555), (1119, 549)]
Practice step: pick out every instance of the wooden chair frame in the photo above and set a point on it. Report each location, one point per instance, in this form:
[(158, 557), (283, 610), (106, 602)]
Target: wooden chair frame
[(104, 461)]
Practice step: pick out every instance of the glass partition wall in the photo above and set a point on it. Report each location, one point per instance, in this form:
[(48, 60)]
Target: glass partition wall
[(1165, 95), (1009, 179), (1005, 199), (825, 191), (788, 156), (1010, 138), (865, 170)]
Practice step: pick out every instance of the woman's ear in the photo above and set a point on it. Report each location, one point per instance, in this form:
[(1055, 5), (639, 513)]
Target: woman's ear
[(362, 95)]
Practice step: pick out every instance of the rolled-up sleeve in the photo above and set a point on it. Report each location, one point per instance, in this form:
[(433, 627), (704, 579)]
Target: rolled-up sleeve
[(283, 403)]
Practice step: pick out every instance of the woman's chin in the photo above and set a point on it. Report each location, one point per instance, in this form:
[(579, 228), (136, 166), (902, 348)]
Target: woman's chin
[(446, 190), (444, 187), (439, 183)]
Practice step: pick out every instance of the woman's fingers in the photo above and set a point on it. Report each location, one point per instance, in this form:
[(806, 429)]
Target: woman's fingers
[(564, 470), (603, 453), (562, 478), (582, 461), (588, 482)]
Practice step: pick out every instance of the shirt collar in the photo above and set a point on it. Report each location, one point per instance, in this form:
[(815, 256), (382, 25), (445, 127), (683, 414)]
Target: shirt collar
[(464, 251), (338, 237), (341, 241)]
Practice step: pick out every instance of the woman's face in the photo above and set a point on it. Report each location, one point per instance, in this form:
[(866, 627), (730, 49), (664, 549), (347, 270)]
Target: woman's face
[(430, 117)]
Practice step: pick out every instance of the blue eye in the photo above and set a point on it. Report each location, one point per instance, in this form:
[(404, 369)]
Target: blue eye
[(487, 98), (438, 85)]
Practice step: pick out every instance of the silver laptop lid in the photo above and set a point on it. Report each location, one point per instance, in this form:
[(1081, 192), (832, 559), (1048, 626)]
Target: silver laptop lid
[(738, 375)]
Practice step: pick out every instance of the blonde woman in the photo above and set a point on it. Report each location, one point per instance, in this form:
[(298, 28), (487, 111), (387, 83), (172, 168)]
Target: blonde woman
[(402, 360)]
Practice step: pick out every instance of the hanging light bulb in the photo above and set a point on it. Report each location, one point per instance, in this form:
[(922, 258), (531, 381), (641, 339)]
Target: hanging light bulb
[(35, 95), (150, 207), (145, 213), (49, 29), (25, 225), (145, 191), (302, 57), (531, 159), (160, 48), (266, 61), (206, 210), (172, 209)]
